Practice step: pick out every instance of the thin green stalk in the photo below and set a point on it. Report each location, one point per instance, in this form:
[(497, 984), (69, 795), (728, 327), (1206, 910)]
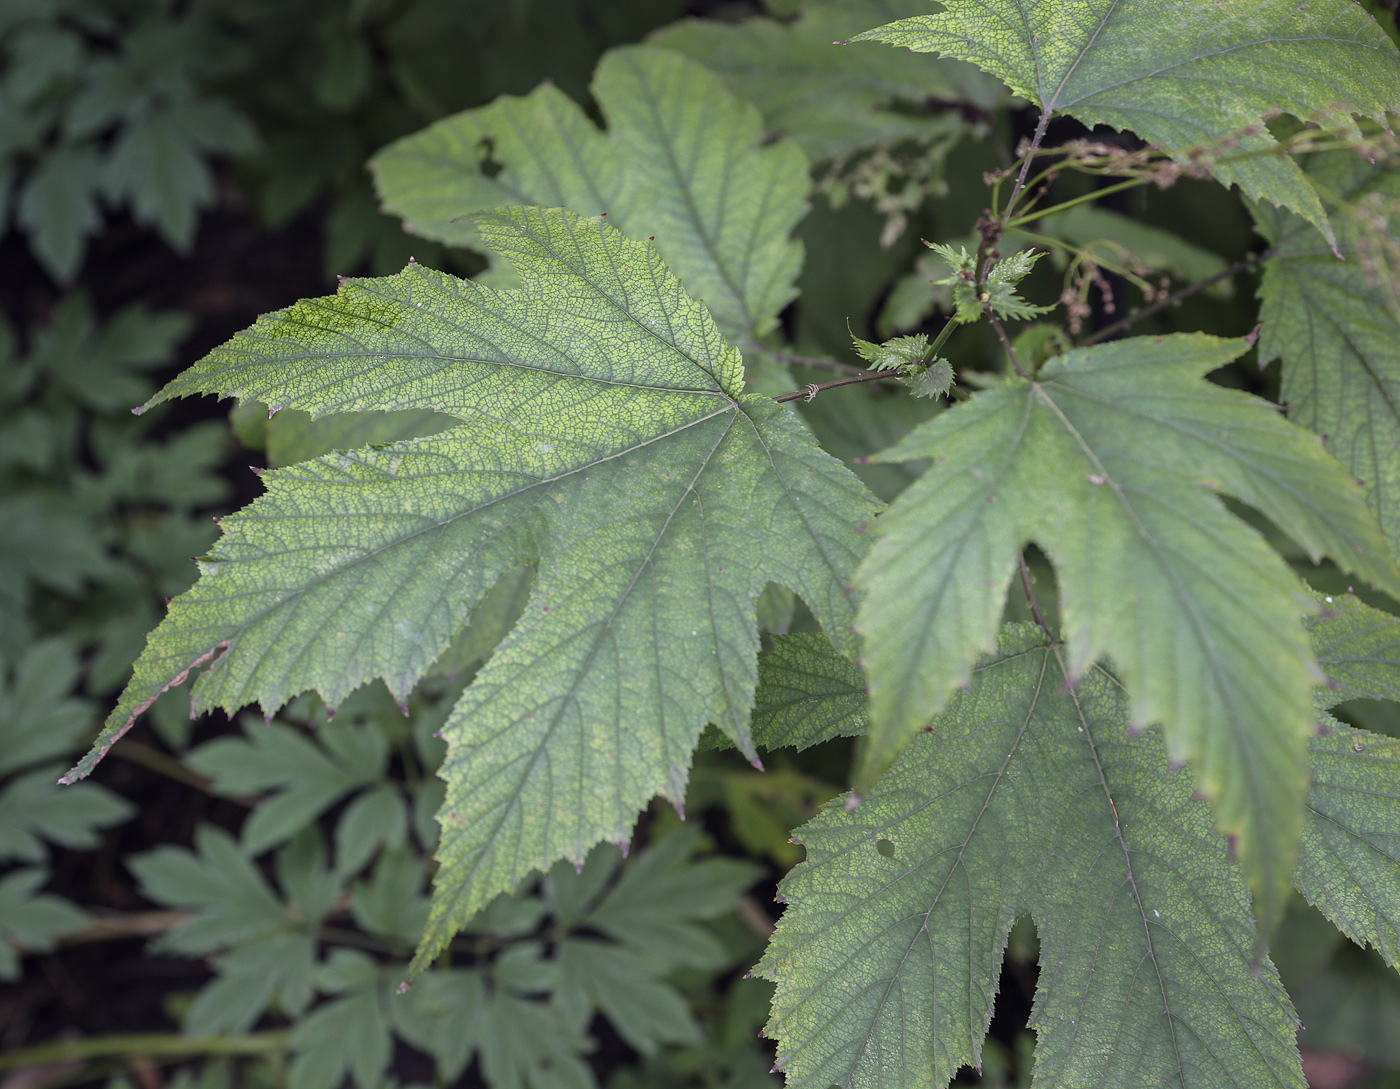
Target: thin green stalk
[(154, 1044), (1031, 217), (943, 334), (154, 760)]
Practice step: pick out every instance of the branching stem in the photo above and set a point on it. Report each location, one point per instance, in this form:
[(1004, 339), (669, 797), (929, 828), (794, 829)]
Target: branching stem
[(1031, 217), (814, 389), (1030, 592), (167, 1045), (1031, 153), (1175, 297)]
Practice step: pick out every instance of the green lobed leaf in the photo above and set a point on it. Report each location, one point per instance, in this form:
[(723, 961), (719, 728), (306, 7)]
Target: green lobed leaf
[(1179, 75), (1027, 796), (658, 905), (33, 809), (1109, 461), (31, 920), (1350, 860), (58, 208), (39, 717), (830, 101), (646, 1012), (1349, 865), (606, 439), (808, 692), (441, 1015), (348, 1035), (697, 177), (308, 777), (1336, 324), (1358, 647)]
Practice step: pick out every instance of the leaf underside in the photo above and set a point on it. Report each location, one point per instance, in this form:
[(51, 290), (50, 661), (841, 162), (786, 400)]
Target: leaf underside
[(1180, 75), (1336, 324), (1025, 796), (1110, 462), (682, 161), (606, 440), (833, 101)]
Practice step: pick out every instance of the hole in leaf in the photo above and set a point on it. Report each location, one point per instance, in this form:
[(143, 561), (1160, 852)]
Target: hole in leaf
[(885, 847)]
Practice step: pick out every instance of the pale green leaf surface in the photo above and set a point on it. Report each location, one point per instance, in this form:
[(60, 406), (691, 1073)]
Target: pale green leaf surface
[(698, 178), (808, 692), (292, 436), (1358, 647), (1108, 462), (606, 439), (1336, 324), (1349, 866), (1026, 797), (830, 100), (1179, 75)]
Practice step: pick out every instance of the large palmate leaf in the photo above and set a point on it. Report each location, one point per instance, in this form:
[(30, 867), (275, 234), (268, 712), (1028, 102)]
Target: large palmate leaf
[(1180, 75), (1350, 862), (682, 161), (607, 440), (1336, 324), (1110, 460), (1027, 796), (832, 101)]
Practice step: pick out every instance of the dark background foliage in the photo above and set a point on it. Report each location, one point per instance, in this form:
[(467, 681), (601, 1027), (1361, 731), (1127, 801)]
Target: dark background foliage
[(168, 171)]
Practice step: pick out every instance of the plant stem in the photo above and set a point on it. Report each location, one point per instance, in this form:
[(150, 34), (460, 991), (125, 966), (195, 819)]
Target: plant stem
[(812, 390), (1175, 297), (1005, 340), (1031, 217), (155, 760), (137, 924), (1031, 151), (1030, 592), (931, 353), (167, 1044)]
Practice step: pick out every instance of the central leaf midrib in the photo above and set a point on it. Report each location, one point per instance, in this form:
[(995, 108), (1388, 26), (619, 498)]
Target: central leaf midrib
[(1088, 731), (997, 780), (1254, 789), (434, 526), (510, 804), (1187, 434), (625, 311), (710, 245)]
